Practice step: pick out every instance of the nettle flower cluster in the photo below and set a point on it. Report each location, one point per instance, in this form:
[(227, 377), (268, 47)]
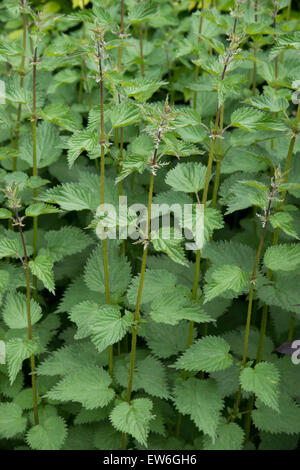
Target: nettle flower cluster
[(149, 342)]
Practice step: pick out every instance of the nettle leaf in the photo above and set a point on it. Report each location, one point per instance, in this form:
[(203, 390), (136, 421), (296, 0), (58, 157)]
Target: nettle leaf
[(82, 314), (7, 152), (10, 247), (79, 142), (102, 15), (107, 438), (223, 278), (156, 282), (142, 12), (142, 88), (166, 340), (124, 114), (252, 120), (133, 418), (229, 252), (66, 242), (42, 268), (170, 245), (88, 386), (269, 102), (133, 163), (187, 177), (230, 436), (40, 208), (201, 400), (284, 221), (49, 435), (282, 257), (208, 354), (70, 197), (15, 311), (149, 375), (108, 326), (17, 350), (263, 380), (75, 356), (286, 421), (175, 306), (118, 267), (47, 145), (5, 214), (11, 420), (62, 116)]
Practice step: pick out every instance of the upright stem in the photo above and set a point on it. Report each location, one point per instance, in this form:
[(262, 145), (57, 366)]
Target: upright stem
[(199, 40), (291, 327), (34, 163), (102, 197), (141, 49), (264, 319), (219, 161), (142, 276), (250, 302), (121, 31), (255, 53), (29, 327), (288, 13), (22, 73)]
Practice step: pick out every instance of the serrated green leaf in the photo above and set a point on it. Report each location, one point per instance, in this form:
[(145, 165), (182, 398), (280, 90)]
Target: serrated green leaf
[(187, 177), (133, 418), (88, 386), (11, 420), (223, 278), (15, 311), (282, 257), (42, 268), (201, 400), (50, 435), (208, 354), (263, 380)]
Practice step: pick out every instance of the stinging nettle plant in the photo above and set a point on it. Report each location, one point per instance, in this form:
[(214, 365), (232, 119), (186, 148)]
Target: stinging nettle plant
[(142, 343)]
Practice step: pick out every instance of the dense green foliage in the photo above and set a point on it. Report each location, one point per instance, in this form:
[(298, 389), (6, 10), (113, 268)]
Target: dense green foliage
[(115, 344)]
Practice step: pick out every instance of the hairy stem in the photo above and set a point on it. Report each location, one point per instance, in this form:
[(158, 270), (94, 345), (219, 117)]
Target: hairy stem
[(199, 40), (219, 161), (141, 50), (102, 197), (250, 302), (121, 31), (34, 165), (142, 276), (29, 327), (264, 319), (22, 73)]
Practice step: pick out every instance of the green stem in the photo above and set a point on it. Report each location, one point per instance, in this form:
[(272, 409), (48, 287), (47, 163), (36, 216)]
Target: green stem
[(34, 165), (102, 198), (199, 40), (219, 161), (138, 304), (291, 327), (29, 327), (121, 31), (250, 302), (142, 274), (141, 49), (22, 73)]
